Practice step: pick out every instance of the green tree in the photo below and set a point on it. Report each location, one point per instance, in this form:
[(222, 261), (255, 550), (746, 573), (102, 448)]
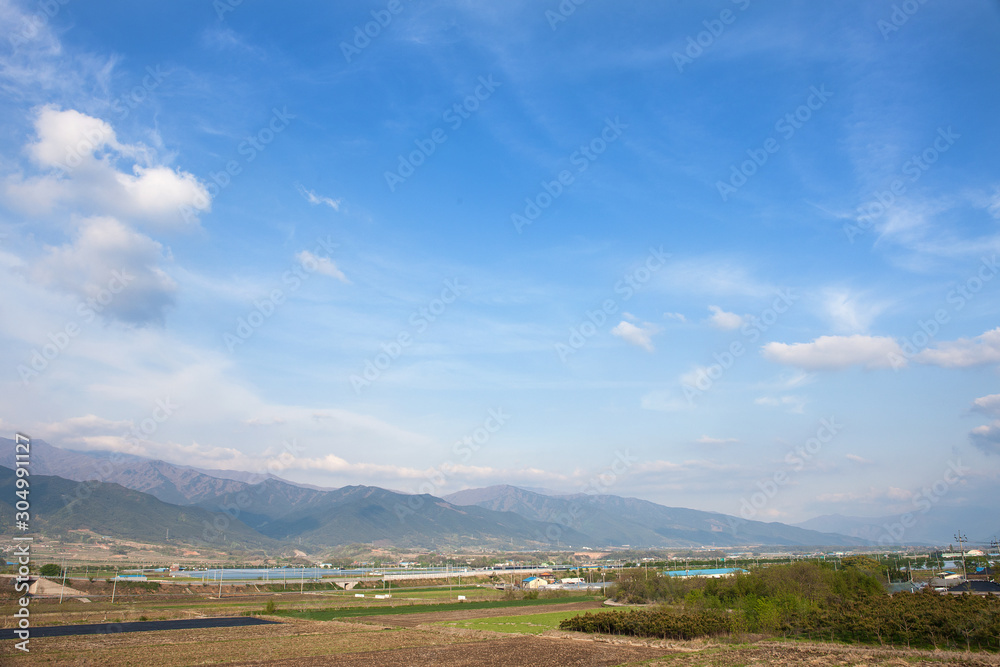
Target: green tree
[(51, 570)]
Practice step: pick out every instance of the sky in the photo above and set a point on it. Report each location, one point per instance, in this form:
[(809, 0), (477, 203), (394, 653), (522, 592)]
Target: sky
[(730, 255)]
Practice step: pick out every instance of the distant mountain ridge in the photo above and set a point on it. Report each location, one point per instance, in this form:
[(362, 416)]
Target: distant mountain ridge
[(278, 511), (178, 485), (61, 505), (616, 521)]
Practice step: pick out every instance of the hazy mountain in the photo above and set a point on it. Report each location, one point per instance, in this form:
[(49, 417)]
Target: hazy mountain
[(370, 514), (936, 527), (258, 505), (274, 509), (170, 483), (615, 521), (60, 505)]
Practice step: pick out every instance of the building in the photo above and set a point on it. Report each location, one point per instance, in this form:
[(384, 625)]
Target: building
[(533, 582), (976, 588), (713, 573)]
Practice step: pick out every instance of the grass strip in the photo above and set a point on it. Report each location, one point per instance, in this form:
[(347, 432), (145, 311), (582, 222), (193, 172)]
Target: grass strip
[(354, 612)]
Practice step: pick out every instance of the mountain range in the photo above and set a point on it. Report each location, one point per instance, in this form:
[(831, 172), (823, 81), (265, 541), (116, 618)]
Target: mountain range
[(140, 498)]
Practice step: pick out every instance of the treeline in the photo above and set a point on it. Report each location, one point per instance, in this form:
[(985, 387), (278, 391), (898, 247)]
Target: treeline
[(803, 601)]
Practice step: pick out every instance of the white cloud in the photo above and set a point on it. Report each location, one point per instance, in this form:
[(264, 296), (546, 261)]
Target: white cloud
[(675, 316), (994, 204), (964, 352), (79, 154), (315, 199), (720, 319), (988, 404), (848, 312), (836, 352), (322, 265), (869, 495), (76, 428), (706, 440), (718, 276), (987, 437), (859, 459), (112, 268), (793, 404), (640, 336)]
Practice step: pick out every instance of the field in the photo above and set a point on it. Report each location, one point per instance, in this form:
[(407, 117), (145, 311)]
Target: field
[(420, 627)]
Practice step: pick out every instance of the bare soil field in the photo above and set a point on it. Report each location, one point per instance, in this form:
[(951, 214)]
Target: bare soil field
[(416, 640)]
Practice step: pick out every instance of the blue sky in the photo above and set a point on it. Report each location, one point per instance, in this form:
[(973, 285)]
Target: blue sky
[(649, 251)]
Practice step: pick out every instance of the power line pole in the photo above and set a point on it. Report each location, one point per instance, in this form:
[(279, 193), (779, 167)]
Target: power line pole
[(961, 540)]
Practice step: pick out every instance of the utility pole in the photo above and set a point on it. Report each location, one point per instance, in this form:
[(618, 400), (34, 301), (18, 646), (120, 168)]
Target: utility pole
[(961, 540)]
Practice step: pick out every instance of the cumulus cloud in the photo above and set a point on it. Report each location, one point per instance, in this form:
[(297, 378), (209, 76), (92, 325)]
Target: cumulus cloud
[(640, 336), (79, 155), (322, 265), (315, 199), (987, 437), (112, 268), (964, 352), (720, 319), (836, 352), (988, 404)]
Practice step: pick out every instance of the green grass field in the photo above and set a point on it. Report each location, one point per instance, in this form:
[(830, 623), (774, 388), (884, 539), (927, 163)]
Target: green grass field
[(528, 624), (355, 612)]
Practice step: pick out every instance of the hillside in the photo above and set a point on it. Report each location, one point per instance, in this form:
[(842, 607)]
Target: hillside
[(615, 521), (168, 482), (370, 514), (60, 505)]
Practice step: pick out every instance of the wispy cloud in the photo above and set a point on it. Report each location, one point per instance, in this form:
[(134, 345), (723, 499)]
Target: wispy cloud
[(315, 199)]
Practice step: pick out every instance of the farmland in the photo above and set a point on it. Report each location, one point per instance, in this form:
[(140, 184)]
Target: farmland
[(418, 626)]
